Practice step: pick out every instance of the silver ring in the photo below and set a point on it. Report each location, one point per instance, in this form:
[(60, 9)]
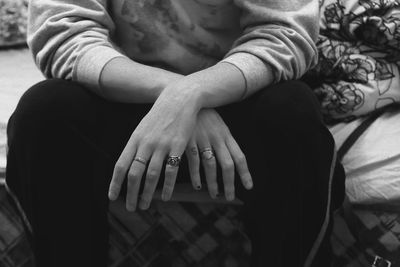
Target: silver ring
[(141, 160), (173, 161), (207, 153)]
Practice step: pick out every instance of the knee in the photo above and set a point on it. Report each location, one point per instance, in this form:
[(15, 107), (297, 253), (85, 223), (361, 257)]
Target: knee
[(44, 100), (42, 105), (290, 105), (53, 99)]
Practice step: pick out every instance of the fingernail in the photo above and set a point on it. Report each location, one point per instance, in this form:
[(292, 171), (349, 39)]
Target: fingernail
[(165, 196), (112, 195), (130, 207), (230, 197), (249, 184), (144, 205)]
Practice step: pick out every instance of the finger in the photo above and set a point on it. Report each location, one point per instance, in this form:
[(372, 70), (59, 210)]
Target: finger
[(192, 154), (120, 169), (135, 175), (228, 171), (210, 169), (171, 171), (152, 177), (240, 162)]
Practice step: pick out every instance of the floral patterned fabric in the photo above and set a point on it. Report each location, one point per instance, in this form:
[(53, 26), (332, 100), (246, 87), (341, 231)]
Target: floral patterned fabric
[(359, 56)]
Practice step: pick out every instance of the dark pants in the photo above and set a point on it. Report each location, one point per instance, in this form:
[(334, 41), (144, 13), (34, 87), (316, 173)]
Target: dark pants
[(64, 142)]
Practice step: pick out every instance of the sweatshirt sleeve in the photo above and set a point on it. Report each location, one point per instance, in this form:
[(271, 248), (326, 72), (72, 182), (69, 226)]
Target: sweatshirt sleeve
[(71, 39), (277, 36)]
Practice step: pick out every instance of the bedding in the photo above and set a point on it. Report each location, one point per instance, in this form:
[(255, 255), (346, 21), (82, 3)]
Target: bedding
[(372, 165), (168, 234), (358, 73), (198, 232), (359, 57)]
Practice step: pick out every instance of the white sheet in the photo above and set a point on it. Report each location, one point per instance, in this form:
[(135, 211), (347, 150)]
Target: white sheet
[(372, 165)]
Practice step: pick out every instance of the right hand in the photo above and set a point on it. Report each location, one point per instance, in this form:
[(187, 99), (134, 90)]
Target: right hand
[(210, 136)]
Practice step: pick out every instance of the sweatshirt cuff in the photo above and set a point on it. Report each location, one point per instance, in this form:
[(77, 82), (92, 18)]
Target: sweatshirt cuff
[(91, 63), (255, 71)]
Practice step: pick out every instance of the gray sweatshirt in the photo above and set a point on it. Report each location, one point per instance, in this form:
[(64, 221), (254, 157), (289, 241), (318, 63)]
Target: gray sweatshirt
[(74, 39)]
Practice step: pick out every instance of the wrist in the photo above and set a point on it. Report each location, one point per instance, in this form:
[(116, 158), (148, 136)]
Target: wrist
[(218, 85), (185, 93), (124, 80)]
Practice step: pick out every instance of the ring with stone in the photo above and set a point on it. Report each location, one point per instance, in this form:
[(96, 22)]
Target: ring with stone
[(173, 161)]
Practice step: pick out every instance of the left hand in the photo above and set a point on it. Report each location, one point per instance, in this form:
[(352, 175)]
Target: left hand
[(163, 132), (213, 136)]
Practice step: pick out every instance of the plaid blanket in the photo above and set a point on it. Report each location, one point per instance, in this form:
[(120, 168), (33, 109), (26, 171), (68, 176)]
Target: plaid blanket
[(207, 234), (14, 247), (363, 235), (168, 234)]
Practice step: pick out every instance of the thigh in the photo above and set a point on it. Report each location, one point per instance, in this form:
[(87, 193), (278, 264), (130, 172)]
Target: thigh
[(282, 117), (54, 101), (56, 116)]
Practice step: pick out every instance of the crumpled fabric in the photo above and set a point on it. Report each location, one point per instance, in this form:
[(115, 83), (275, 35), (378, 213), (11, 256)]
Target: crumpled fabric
[(359, 57), (372, 164)]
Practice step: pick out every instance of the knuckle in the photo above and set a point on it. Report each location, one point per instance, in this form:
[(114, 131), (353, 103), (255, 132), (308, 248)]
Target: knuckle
[(168, 186), (193, 151), (194, 163), (213, 188), (212, 184), (227, 166), (132, 176), (163, 144), (174, 142), (241, 159), (229, 188), (214, 138), (145, 139), (150, 142), (177, 139), (194, 173), (210, 162), (119, 168), (115, 187), (152, 175), (168, 172), (171, 171)]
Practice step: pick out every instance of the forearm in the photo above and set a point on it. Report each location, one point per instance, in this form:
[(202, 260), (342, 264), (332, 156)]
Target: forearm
[(218, 85), (123, 80)]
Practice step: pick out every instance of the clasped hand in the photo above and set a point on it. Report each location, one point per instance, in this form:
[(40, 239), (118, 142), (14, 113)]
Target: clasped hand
[(175, 124)]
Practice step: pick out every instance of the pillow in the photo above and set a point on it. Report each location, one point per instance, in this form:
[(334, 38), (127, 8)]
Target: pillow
[(372, 164)]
